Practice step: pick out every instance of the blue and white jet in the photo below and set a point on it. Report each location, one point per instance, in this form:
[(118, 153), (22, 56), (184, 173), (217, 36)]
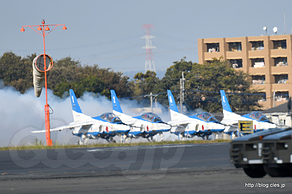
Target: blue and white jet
[(260, 121), (147, 125), (202, 124), (105, 126)]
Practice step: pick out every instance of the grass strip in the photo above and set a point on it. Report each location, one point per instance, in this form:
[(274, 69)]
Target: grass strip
[(57, 146)]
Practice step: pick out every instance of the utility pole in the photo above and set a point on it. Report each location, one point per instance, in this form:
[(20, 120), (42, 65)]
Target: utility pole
[(149, 63), (274, 98), (182, 89), (152, 96)]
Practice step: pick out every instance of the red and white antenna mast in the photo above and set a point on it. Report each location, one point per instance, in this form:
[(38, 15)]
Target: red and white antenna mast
[(149, 63)]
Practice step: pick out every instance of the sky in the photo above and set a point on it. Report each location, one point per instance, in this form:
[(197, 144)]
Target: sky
[(108, 32)]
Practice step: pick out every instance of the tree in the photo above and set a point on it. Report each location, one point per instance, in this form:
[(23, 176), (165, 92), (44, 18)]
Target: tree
[(66, 73), (69, 74), (16, 71), (202, 85), (146, 83), (203, 82)]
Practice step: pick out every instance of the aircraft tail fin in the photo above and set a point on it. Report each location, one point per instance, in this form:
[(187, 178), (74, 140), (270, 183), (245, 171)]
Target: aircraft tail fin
[(171, 101), (228, 114), (174, 114), (76, 110), (225, 103), (115, 102)]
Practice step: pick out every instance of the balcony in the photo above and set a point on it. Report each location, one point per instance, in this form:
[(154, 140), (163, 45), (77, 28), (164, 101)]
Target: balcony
[(281, 79), (234, 46), (257, 62), (263, 97), (212, 51), (257, 45), (280, 61), (282, 96), (235, 63), (258, 79), (212, 47), (279, 44)]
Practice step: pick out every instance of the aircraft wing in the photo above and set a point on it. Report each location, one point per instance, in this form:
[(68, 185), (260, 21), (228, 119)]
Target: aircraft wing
[(70, 126), (131, 122), (229, 122), (179, 123)]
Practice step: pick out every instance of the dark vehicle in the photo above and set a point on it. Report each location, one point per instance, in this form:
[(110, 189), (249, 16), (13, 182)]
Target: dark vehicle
[(277, 154), (247, 152)]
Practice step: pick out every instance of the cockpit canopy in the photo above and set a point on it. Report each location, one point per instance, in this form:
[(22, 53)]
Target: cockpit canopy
[(259, 116), (151, 117), (110, 117), (206, 116)]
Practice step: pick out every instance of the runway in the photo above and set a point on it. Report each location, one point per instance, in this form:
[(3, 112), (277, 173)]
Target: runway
[(191, 168)]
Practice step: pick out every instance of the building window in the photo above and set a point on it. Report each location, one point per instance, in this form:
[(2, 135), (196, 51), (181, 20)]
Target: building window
[(280, 61), (282, 96), (263, 96), (258, 62), (281, 79), (235, 63), (257, 45), (213, 47), (234, 46), (258, 79), (279, 44)]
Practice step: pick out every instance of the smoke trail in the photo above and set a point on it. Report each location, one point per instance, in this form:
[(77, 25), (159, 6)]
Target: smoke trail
[(22, 113)]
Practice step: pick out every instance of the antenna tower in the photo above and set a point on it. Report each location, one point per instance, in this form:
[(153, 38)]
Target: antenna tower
[(149, 63)]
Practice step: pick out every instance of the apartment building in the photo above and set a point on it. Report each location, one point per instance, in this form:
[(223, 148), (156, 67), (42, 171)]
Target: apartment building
[(267, 59)]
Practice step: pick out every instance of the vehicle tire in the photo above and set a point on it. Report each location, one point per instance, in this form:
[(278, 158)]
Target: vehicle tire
[(277, 172), (255, 171)]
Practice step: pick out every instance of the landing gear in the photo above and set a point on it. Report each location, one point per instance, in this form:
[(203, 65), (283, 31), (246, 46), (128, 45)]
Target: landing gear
[(161, 136), (127, 139), (123, 138), (83, 139), (151, 139), (205, 137), (216, 136), (180, 137), (111, 140)]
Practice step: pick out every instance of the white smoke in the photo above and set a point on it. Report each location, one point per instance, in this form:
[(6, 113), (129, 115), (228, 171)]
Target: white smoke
[(22, 113)]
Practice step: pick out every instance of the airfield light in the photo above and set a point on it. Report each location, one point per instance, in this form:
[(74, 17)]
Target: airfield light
[(45, 27)]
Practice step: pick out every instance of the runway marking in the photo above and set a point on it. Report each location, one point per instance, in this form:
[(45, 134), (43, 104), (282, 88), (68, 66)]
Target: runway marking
[(135, 148), (150, 147)]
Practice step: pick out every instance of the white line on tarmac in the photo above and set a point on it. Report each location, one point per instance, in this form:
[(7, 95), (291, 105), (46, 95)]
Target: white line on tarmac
[(150, 147)]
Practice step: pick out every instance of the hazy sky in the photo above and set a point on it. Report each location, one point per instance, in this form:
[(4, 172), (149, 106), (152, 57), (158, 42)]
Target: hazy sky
[(108, 32)]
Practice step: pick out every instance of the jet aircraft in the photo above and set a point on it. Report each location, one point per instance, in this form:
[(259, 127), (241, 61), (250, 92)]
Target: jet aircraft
[(105, 126), (260, 121), (202, 124), (146, 125)]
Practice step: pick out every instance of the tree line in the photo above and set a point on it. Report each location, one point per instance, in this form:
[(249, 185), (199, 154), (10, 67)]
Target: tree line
[(202, 82)]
